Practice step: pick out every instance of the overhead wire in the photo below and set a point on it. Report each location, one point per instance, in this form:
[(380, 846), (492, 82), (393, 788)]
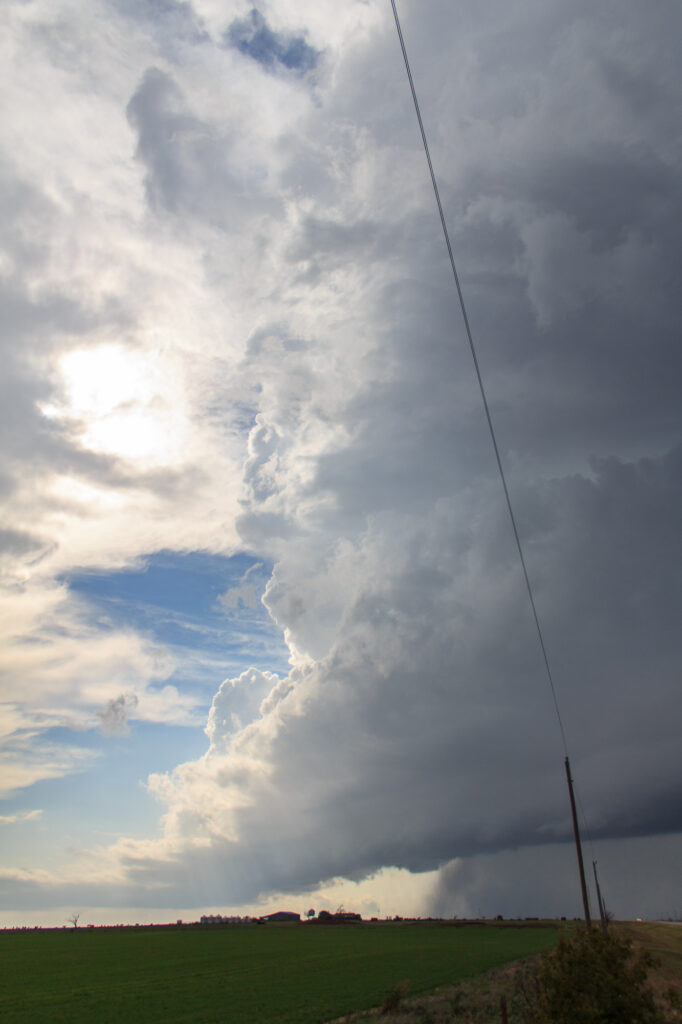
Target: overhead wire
[(486, 407), (491, 428)]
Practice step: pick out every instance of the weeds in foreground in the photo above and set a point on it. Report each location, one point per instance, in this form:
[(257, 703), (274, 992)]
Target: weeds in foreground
[(590, 978), (394, 997), (476, 1001)]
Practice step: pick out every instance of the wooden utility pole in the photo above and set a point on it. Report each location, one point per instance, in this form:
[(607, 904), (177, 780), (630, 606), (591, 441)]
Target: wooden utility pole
[(602, 908), (578, 847)]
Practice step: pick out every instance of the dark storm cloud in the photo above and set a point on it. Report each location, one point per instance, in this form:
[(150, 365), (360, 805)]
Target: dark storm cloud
[(593, 253), (437, 685), (253, 37), (543, 881)]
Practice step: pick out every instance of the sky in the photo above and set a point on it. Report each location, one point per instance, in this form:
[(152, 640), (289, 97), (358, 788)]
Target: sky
[(266, 642)]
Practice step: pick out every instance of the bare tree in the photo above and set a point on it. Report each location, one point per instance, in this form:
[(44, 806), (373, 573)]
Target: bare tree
[(74, 920)]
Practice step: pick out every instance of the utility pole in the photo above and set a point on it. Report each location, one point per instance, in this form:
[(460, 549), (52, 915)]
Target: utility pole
[(602, 908), (578, 847)]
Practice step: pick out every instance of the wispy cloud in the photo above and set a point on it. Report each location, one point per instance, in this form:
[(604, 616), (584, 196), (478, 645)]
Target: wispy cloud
[(20, 818), (244, 594), (25, 762)]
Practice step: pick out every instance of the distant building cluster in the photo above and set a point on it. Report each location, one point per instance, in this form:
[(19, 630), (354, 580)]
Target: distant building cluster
[(281, 916), (224, 919), (339, 916)]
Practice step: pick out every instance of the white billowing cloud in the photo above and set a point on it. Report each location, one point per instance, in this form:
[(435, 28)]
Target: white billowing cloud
[(237, 703), (259, 296)]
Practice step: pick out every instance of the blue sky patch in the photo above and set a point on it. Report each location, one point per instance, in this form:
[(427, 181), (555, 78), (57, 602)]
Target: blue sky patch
[(106, 799), (205, 608), (253, 37)]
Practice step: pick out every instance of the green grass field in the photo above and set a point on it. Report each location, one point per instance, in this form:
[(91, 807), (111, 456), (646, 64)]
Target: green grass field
[(277, 974)]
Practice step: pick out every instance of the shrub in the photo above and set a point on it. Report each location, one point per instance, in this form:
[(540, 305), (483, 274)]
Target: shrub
[(591, 978)]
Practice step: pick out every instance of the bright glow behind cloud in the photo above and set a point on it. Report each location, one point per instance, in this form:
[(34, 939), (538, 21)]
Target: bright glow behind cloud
[(126, 404)]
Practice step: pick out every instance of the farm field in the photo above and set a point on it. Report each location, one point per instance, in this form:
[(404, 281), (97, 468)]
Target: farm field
[(277, 974)]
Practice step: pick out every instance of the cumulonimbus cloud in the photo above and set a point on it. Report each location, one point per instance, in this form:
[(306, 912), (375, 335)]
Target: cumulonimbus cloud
[(415, 725)]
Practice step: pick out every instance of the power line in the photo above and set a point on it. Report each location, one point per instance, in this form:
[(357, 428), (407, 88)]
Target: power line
[(479, 378), (500, 468)]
